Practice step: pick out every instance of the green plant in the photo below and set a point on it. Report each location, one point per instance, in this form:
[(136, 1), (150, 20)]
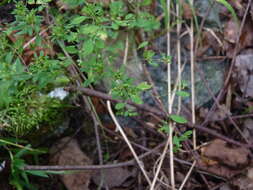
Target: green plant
[(27, 21), (29, 110), (4, 2), (123, 88), (88, 33), (177, 139), (19, 178), (24, 105), (85, 35)]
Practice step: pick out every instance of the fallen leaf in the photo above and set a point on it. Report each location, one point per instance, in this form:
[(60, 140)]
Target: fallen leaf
[(232, 157), (219, 159), (217, 169), (244, 182), (68, 152)]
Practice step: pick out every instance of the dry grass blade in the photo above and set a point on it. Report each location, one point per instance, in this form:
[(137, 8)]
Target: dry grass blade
[(187, 176), (139, 162)]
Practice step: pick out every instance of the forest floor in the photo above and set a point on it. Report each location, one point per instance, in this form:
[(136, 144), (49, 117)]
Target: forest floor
[(69, 123)]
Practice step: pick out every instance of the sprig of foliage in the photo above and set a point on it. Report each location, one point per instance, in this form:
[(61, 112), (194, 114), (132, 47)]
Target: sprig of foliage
[(91, 29), (19, 178), (24, 105), (177, 140)]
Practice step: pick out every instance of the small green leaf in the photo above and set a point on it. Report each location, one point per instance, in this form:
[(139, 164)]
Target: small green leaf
[(120, 106), (71, 49), (148, 54), (145, 2), (9, 57), (136, 99), (144, 86), (78, 20), (61, 80), (88, 47), (177, 141), (106, 156), (186, 135), (18, 66), (142, 45), (178, 119), (115, 26), (165, 128), (131, 114), (89, 29), (38, 173), (182, 93), (166, 59)]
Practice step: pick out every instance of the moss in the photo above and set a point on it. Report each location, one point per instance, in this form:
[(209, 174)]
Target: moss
[(29, 111)]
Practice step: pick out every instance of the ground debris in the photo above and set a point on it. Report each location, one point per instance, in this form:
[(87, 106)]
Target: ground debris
[(244, 182), (70, 154), (232, 157), (223, 160)]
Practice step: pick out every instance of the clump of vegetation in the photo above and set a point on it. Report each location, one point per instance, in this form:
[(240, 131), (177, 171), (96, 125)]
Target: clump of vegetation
[(29, 110), (86, 34), (87, 37), (24, 103)]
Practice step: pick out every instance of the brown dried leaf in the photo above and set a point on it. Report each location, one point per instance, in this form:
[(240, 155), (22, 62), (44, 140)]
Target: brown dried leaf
[(244, 182), (70, 154), (222, 160), (231, 157), (217, 169)]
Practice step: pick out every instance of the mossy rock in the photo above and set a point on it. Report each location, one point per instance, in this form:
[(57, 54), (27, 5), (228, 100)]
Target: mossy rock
[(29, 111)]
